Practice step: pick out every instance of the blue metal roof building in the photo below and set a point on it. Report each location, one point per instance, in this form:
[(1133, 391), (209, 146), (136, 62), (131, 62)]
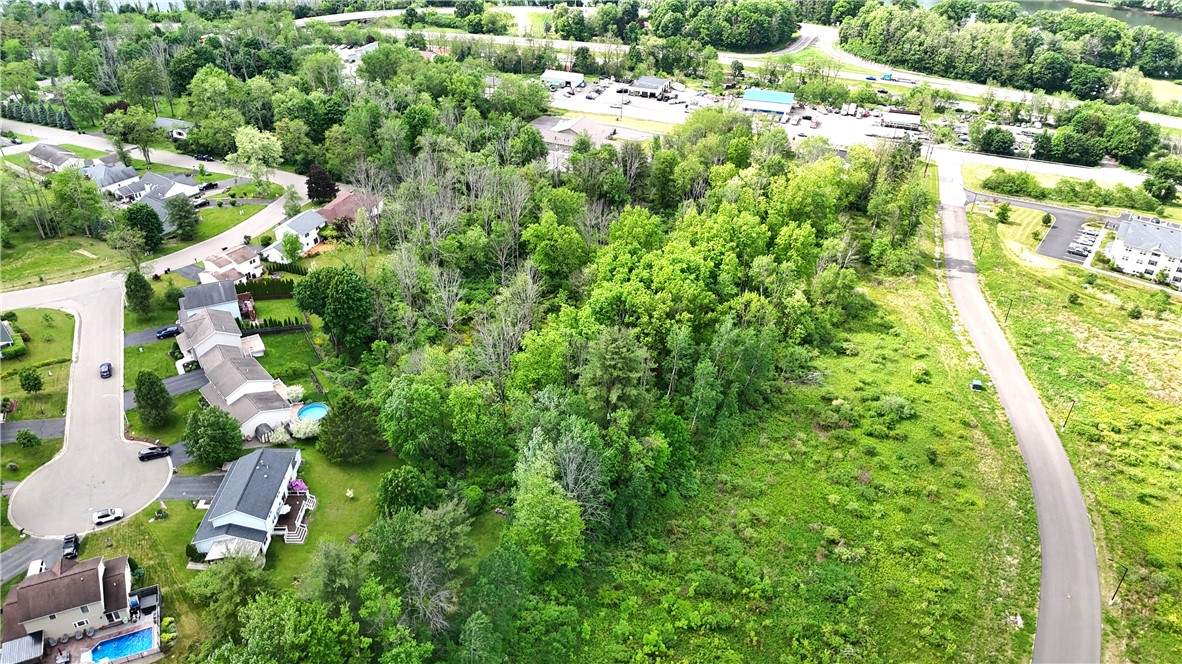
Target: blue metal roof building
[(767, 101)]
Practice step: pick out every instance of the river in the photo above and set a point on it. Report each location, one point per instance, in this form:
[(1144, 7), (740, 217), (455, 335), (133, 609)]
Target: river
[(1133, 18)]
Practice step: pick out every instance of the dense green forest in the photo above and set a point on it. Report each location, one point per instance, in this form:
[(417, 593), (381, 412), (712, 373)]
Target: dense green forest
[(1088, 55)]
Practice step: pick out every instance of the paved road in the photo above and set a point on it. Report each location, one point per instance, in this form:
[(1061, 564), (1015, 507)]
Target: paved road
[(178, 384), (189, 487), (1069, 601), (140, 338), (43, 428), (15, 561), (96, 468)]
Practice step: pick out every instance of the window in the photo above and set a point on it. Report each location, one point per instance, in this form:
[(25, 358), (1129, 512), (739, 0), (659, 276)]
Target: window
[(81, 623), (85, 609), (53, 616), (1153, 262), (113, 616)]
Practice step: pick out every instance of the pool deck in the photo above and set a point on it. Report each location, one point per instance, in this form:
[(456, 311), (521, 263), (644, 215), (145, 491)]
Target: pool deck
[(77, 648)]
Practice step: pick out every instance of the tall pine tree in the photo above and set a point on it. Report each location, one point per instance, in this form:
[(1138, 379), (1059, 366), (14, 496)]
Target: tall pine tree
[(349, 433), (138, 293), (152, 399)]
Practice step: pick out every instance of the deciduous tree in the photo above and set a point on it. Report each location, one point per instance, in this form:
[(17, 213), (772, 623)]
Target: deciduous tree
[(321, 187), (213, 436), (145, 220), (152, 399), (349, 433), (30, 380)]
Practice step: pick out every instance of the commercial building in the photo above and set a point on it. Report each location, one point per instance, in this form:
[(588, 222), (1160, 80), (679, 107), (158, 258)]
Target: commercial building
[(562, 79), (649, 86), (1145, 248), (561, 133), (901, 119), (756, 100)]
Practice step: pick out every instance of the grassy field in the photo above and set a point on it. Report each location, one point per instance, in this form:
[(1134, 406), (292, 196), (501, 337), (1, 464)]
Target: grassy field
[(1124, 429), (182, 405), (9, 535), (913, 541), (20, 159), (814, 56), (158, 546), (51, 337), (277, 309), (1164, 90), (148, 357), (651, 126), (1023, 234), (218, 220), (35, 262), (27, 459), (336, 517), (537, 23), (249, 190), (286, 349), (163, 313), (85, 153)]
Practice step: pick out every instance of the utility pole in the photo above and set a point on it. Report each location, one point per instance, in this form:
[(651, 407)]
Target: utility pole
[(1070, 408)]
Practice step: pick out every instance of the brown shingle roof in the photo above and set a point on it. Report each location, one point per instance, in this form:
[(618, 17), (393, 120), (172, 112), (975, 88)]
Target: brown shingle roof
[(67, 585), (115, 584), (346, 205)]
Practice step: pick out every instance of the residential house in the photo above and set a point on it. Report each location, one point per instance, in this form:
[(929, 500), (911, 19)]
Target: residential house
[(239, 385), (72, 596), (260, 497), (346, 205), (561, 133), (175, 129), (210, 328), (236, 264), (6, 334), (649, 86), (162, 186), (218, 295), (157, 204), (108, 178), (54, 158), (305, 225), (1145, 247)]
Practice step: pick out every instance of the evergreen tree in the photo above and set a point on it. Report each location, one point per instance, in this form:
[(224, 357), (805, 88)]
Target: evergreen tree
[(349, 433), (138, 293), (144, 218), (321, 187), (182, 213), (152, 399)]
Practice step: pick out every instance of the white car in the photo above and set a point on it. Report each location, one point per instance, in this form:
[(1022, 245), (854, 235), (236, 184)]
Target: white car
[(107, 516)]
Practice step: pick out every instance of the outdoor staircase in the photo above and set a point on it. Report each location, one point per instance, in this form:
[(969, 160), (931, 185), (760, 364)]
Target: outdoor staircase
[(297, 536)]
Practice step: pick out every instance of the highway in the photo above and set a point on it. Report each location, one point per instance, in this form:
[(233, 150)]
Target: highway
[(1068, 627)]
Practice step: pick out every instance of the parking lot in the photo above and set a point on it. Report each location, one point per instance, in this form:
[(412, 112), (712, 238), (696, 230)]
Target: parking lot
[(641, 108)]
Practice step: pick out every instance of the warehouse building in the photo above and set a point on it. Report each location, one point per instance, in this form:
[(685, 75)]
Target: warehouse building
[(756, 100), (900, 119), (562, 79), (649, 86)]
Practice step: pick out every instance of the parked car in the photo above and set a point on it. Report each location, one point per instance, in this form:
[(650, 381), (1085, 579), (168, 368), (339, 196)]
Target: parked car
[(70, 546), (16, 141), (168, 332), (105, 370), (200, 203), (802, 135), (582, 84), (202, 157), (154, 452), (206, 186), (1082, 253), (107, 516)]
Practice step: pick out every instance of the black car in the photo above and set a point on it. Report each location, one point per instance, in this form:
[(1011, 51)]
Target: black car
[(16, 141), (70, 546), (202, 157), (168, 332), (105, 370), (154, 452), (201, 203), (208, 185)]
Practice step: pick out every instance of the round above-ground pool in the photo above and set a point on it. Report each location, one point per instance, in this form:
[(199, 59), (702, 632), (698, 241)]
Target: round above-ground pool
[(313, 411)]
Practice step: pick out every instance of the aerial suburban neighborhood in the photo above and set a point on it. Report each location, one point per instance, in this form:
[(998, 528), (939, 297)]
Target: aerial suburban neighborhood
[(637, 330)]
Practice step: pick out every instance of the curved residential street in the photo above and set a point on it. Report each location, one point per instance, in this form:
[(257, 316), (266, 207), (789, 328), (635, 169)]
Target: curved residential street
[(1069, 603)]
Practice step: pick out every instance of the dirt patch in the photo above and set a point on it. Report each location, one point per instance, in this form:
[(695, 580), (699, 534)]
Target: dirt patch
[(85, 253)]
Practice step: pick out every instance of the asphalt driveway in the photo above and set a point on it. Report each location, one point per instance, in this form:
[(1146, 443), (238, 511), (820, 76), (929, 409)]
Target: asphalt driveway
[(15, 561), (140, 338), (192, 487), (178, 384), (1062, 233), (43, 429)]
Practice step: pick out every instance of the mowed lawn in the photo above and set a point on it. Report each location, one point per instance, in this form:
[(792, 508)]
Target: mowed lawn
[(336, 516), (35, 262), (163, 313), (287, 351), (151, 357), (174, 430), (214, 222), (158, 546), (85, 153), (51, 337), (27, 459), (278, 309)]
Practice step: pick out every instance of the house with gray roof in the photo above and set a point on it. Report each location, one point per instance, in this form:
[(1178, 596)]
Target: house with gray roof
[(54, 157), (160, 185), (239, 385), (109, 177), (236, 264), (175, 129), (217, 295), (260, 498), (211, 328), (1146, 248), (305, 225)]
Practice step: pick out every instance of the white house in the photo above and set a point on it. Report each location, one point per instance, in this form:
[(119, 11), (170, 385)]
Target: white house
[(174, 129), (259, 498), (162, 186), (241, 386), (561, 133), (217, 295), (108, 178), (210, 328), (1145, 248), (54, 157), (236, 264), (305, 225)]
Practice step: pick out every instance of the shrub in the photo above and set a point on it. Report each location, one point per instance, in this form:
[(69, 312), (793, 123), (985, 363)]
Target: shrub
[(1135, 313), (17, 349), (1090, 278), (894, 408), (279, 436), (295, 393), (474, 497), (920, 373), (12, 467), (27, 439), (292, 370), (9, 316), (191, 552), (1073, 298), (1046, 219), (933, 455), (266, 240), (1037, 235), (303, 429)]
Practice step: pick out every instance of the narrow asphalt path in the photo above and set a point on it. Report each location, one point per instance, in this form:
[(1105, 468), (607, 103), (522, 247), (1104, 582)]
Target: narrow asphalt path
[(140, 338), (1069, 602), (15, 561), (43, 429), (178, 384)]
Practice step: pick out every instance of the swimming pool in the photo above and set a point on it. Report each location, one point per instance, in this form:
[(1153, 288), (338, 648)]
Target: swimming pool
[(313, 411), (122, 646)]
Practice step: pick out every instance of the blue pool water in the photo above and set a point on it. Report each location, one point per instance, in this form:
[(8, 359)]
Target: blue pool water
[(313, 411), (122, 646)]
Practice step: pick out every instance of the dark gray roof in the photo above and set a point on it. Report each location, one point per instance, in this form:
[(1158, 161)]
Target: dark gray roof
[(1149, 236), (304, 222), (156, 203), (650, 83), (54, 154), (207, 295), (104, 175), (234, 372), (5, 333), (251, 486)]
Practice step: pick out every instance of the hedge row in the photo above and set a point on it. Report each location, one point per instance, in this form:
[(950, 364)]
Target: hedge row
[(17, 349), (266, 287), (290, 268)]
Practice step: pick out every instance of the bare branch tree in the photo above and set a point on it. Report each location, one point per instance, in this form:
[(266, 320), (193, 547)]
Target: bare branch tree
[(448, 291), (580, 474), (499, 334), (428, 598), (595, 222)]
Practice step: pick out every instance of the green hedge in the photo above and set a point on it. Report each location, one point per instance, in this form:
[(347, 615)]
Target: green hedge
[(17, 349), (290, 268), (267, 287)]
